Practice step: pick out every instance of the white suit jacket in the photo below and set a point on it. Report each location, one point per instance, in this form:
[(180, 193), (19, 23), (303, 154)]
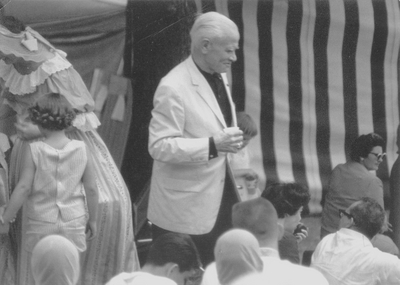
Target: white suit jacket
[(186, 187)]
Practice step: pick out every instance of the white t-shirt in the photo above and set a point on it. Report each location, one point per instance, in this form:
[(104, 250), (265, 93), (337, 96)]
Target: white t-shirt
[(139, 278)]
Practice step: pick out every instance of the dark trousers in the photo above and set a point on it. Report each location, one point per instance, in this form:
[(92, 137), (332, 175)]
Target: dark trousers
[(205, 243)]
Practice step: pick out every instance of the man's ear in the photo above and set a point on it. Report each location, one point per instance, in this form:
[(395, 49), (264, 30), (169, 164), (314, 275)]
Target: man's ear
[(172, 269), (348, 223), (205, 45)]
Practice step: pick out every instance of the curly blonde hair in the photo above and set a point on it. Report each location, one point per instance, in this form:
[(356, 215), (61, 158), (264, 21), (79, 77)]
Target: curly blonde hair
[(52, 112)]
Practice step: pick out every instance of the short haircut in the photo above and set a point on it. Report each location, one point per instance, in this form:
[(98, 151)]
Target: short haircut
[(368, 216), (363, 145), (52, 112), (176, 248), (246, 124), (258, 216), (287, 198), (211, 25)]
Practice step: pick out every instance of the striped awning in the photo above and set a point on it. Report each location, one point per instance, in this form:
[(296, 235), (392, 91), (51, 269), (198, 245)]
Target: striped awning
[(315, 74)]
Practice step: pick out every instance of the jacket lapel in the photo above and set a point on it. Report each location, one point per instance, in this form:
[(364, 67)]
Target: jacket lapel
[(204, 90)]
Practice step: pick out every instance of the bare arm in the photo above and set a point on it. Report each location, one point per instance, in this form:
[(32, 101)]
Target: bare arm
[(92, 196), (23, 188)]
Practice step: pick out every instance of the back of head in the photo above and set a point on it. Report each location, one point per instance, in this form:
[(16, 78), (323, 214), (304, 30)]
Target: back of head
[(363, 145), (55, 260), (258, 216), (368, 216), (287, 198), (52, 112), (246, 124), (211, 25), (237, 253), (174, 248)]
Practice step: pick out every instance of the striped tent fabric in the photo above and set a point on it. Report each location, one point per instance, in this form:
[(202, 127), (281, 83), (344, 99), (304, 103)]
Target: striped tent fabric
[(314, 74)]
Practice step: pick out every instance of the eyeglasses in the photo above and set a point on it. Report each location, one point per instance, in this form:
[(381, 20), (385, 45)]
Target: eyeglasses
[(378, 155), (344, 213)]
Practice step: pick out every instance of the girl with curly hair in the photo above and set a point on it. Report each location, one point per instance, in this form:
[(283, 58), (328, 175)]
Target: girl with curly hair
[(57, 180)]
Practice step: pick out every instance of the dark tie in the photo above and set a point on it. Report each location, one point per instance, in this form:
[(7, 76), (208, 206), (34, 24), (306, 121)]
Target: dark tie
[(222, 98)]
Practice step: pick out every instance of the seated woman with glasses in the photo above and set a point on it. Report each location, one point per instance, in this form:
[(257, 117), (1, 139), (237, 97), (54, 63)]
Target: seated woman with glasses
[(353, 180)]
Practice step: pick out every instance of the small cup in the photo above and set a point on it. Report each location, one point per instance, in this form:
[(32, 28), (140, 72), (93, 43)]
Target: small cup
[(231, 130)]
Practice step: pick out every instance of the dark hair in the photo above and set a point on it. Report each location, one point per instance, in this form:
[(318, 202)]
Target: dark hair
[(363, 145), (368, 216), (12, 24), (246, 124), (287, 198), (52, 112), (176, 248)]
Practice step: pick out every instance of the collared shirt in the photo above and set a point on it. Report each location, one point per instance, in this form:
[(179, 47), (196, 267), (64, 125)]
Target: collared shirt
[(218, 87), (347, 257)]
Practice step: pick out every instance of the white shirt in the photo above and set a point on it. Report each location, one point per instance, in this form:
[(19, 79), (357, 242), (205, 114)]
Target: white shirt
[(279, 272), (140, 278), (348, 257), (283, 272)]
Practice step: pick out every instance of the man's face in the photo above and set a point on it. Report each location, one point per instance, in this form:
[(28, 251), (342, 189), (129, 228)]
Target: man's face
[(221, 53)]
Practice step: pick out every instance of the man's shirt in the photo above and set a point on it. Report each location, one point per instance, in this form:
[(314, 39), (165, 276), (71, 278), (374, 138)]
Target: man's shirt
[(347, 257)]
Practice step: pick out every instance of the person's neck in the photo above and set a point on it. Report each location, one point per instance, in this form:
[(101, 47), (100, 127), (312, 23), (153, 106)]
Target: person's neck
[(268, 244), (199, 61), (155, 270), (56, 139), (358, 230)]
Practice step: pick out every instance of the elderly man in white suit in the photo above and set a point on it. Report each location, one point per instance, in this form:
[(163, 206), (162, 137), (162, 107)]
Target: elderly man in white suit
[(189, 137)]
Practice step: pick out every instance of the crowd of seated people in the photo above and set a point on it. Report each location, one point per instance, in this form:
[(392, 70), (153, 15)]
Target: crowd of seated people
[(249, 251)]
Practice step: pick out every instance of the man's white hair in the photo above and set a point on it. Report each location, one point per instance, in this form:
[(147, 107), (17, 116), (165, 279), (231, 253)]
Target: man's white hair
[(211, 25)]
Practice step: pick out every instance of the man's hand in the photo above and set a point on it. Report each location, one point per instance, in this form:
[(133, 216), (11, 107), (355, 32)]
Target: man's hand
[(229, 140), (91, 230)]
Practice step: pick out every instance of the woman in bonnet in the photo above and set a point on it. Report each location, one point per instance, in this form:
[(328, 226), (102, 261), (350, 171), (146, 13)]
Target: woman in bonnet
[(30, 67)]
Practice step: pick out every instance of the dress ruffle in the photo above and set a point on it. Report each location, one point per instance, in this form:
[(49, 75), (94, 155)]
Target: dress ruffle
[(25, 84), (86, 122), (19, 46)]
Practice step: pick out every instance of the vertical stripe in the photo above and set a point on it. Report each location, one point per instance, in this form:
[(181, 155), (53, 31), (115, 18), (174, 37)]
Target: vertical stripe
[(377, 75), (391, 81), (335, 82), (363, 66), (294, 24), (314, 74), (207, 6), (198, 5), (264, 22), (238, 90), (308, 105), (322, 24), (252, 84), (349, 71), (281, 91)]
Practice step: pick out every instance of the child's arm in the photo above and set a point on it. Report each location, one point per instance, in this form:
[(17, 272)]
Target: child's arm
[(23, 188), (92, 196)]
